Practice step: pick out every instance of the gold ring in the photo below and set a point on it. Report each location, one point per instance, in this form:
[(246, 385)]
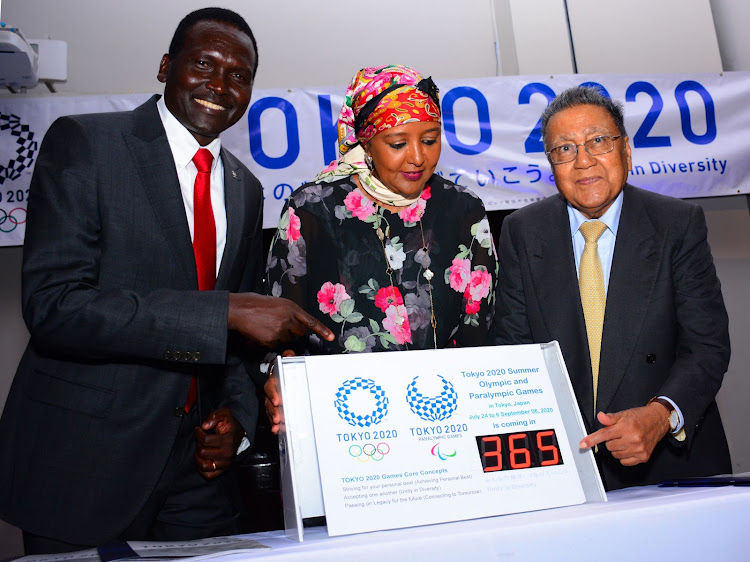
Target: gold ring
[(214, 463)]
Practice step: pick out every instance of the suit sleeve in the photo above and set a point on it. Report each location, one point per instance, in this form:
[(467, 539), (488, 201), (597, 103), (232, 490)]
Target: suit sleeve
[(511, 324), (66, 308), (702, 351)]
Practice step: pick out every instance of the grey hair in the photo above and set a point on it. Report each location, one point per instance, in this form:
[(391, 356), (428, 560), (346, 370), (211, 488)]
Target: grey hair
[(583, 95)]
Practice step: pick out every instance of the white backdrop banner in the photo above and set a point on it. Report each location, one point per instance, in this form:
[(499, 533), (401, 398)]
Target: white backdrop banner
[(688, 132)]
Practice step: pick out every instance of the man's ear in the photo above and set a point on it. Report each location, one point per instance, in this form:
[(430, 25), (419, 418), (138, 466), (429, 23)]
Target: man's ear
[(163, 69), (626, 147)]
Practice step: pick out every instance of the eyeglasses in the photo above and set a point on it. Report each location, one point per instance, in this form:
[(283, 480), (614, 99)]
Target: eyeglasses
[(597, 146)]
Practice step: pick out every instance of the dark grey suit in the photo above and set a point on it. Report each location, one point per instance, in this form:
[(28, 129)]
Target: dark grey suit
[(665, 325), (118, 326)]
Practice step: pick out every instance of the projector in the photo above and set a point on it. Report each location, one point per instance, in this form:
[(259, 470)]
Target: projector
[(18, 60), (26, 62)]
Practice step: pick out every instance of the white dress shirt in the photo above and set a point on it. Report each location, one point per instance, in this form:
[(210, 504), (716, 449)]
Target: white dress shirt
[(184, 146)]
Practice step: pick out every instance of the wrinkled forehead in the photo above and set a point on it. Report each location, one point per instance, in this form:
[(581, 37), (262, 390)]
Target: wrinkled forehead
[(218, 35), (580, 122)]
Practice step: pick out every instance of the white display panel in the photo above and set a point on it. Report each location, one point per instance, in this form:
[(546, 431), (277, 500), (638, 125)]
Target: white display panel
[(420, 437)]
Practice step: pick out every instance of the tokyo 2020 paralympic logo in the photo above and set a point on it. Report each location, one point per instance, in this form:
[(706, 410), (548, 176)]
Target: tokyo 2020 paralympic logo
[(439, 404), (25, 150), (360, 402)]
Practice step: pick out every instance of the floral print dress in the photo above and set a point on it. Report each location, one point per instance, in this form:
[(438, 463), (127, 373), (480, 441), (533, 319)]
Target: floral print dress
[(328, 257)]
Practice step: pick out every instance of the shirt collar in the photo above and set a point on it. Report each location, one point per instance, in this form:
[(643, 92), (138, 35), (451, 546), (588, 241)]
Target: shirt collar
[(611, 218), (181, 141)]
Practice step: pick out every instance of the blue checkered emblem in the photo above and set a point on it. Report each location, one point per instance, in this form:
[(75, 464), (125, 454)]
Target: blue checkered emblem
[(365, 391), (432, 408)]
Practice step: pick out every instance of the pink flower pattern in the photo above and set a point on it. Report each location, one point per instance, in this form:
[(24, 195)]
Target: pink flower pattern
[(472, 307), (330, 297), (293, 228), (359, 205), (385, 321), (415, 211), (478, 286), (397, 323), (386, 296), (460, 274)]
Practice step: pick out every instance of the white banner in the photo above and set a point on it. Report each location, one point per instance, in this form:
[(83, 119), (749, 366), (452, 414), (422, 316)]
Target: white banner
[(688, 134)]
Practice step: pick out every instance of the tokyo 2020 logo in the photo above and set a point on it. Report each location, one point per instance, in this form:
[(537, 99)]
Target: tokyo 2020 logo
[(434, 399), (361, 403), (25, 150)]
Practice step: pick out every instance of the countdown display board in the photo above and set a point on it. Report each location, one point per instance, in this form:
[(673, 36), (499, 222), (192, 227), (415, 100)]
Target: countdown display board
[(390, 440)]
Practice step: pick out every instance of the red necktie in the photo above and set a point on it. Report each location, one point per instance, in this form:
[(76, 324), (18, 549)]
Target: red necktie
[(204, 231), (204, 238)]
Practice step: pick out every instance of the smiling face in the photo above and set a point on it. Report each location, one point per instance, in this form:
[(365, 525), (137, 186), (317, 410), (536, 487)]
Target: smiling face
[(589, 183), (405, 157), (209, 82)]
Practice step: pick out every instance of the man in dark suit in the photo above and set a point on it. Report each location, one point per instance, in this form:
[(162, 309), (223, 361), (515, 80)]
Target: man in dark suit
[(635, 306), (132, 401)]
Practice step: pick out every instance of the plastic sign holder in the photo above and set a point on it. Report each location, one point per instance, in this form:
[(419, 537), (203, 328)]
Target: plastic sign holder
[(390, 440)]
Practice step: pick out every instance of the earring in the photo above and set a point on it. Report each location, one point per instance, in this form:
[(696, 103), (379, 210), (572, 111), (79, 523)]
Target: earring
[(368, 161)]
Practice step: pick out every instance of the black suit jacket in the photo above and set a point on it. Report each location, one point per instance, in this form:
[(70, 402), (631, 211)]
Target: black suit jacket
[(665, 326), (118, 325)]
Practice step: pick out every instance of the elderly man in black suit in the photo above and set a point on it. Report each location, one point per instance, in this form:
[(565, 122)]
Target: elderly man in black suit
[(143, 241), (624, 280)]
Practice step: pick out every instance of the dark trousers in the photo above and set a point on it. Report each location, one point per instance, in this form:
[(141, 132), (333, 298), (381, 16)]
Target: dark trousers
[(182, 506)]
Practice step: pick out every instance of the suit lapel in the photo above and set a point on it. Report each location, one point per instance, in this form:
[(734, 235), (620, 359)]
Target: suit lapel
[(555, 280), (635, 265), (234, 200), (155, 164)]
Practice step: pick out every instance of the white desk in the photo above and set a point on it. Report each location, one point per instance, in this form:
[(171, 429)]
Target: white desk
[(646, 523)]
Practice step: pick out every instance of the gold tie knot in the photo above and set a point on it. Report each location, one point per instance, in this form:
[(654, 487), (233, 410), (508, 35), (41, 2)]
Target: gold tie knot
[(592, 230)]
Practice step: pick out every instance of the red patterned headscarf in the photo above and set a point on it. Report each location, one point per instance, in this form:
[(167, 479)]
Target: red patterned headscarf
[(379, 98), (382, 97)]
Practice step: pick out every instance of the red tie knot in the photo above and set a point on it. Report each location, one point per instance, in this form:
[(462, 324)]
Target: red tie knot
[(203, 160)]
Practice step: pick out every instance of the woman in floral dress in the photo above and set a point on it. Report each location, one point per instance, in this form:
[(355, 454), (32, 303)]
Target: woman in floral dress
[(387, 254)]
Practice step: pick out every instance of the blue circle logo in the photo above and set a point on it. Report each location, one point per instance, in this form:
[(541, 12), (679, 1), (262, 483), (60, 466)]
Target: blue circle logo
[(437, 407), (361, 395)]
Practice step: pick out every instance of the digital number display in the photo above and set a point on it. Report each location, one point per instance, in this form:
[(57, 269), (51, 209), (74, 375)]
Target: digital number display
[(520, 449)]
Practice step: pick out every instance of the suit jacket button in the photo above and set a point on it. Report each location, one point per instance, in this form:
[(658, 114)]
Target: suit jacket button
[(197, 356), (650, 358), (167, 355), (177, 355), (179, 411)]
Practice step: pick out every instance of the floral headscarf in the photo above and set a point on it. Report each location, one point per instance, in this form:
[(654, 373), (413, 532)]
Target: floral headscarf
[(379, 98)]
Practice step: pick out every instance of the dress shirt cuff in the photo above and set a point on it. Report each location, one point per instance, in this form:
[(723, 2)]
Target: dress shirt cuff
[(681, 424), (244, 444)]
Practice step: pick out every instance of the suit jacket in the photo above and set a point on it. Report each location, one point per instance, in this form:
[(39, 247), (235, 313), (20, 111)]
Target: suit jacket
[(665, 326), (118, 325)]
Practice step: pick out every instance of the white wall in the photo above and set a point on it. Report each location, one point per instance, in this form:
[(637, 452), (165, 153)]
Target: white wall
[(115, 47), (644, 36), (731, 18), (533, 37)]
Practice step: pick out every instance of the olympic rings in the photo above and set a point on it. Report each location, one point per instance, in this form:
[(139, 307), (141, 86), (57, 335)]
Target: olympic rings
[(370, 451), (9, 217)]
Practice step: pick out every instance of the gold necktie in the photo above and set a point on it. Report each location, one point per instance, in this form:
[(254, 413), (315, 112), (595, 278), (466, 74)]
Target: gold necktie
[(593, 299)]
